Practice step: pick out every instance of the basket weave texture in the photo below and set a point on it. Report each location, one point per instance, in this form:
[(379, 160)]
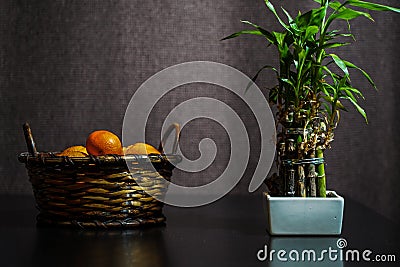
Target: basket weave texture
[(99, 191)]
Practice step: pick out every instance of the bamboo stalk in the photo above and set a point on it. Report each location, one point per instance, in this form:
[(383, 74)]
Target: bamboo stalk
[(301, 188), (290, 191), (311, 183), (321, 175), (291, 173), (311, 179)]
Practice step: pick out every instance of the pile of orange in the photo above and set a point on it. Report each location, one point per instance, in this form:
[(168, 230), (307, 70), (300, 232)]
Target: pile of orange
[(103, 142)]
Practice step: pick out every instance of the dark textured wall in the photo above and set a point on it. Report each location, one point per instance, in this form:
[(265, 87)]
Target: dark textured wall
[(71, 67)]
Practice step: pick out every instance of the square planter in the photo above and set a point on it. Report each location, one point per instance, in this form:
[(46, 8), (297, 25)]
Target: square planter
[(304, 216)]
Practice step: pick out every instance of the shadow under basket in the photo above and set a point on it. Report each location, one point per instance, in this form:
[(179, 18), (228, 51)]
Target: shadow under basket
[(99, 191)]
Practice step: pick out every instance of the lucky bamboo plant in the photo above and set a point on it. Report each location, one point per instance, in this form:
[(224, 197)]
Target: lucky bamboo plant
[(312, 83)]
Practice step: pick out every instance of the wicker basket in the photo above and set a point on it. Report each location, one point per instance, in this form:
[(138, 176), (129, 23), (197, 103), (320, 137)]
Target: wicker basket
[(99, 192)]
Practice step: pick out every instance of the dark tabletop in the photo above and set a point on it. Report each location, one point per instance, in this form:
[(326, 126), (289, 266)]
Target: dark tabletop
[(228, 232)]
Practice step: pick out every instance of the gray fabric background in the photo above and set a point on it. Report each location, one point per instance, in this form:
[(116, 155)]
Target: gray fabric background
[(71, 67)]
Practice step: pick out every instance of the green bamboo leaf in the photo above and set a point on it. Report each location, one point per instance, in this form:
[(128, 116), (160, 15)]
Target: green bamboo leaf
[(334, 34), (287, 81), (355, 91), (273, 94), (347, 35), (327, 70), (296, 64), (283, 44), (333, 45), (310, 31), (331, 100), (236, 34), (328, 98), (324, 89), (263, 68), (366, 75), (335, 5), (340, 63), (335, 79), (343, 81), (347, 94), (327, 108), (301, 68), (349, 14), (270, 37), (292, 23), (340, 106), (363, 4), (372, 6), (272, 9), (313, 17), (285, 54), (359, 108), (280, 37), (345, 14), (290, 19), (258, 72)]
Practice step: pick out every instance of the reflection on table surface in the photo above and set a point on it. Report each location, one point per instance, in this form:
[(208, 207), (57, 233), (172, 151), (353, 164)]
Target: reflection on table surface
[(298, 251), (229, 232), (100, 248)]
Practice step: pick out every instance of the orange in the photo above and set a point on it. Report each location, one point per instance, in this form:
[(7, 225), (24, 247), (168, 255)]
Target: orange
[(103, 143), (141, 149), (74, 151)]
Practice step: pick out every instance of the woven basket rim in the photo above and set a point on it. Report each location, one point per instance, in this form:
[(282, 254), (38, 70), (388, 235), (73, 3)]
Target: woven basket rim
[(51, 158)]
